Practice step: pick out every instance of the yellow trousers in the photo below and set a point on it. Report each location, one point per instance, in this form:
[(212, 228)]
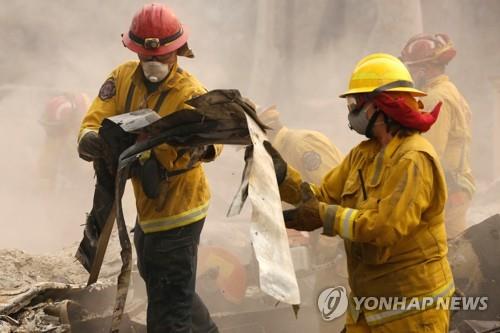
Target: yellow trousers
[(428, 321)]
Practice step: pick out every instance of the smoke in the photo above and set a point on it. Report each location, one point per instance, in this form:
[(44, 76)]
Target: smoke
[(292, 53)]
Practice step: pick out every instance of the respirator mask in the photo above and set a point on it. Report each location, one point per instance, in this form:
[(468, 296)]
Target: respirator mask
[(358, 116), (155, 71)]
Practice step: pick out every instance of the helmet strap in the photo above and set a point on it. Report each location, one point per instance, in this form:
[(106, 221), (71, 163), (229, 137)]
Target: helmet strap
[(388, 122), (154, 43), (390, 85)]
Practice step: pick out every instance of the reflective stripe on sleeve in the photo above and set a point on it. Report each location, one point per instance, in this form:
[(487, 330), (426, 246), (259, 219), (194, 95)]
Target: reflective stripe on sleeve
[(345, 223), (329, 220)]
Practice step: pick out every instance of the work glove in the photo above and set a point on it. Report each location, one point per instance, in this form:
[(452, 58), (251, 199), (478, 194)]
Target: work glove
[(209, 153), (92, 147), (198, 154), (280, 165), (306, 216)]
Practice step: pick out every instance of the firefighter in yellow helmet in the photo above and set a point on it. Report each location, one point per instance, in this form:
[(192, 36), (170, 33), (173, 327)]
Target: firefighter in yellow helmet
[(313, 155), (171, 214), (386, 201), (426, 56)]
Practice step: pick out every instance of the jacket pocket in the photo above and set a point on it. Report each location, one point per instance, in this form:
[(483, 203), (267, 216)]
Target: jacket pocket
[(349, 194), (374, 255), (428, 243)]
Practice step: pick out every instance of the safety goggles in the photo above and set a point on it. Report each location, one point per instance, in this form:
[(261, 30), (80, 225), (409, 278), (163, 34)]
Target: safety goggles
[(356, 102), (160, 58)]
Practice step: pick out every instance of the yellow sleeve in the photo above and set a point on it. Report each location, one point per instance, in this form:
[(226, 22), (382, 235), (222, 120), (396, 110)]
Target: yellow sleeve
[(189, 88), (438, 134), (103, 106), (406, 194), (332, 185), (329, 191), (218, 150)]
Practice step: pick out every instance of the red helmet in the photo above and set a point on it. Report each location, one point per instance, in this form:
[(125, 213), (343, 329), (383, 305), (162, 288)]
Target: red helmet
[(427, 48), (155, 30), (64, 110)]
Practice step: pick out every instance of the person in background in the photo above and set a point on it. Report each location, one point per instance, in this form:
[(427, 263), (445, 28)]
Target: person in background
[(310, 152), (313, 155), (60, 118), (427, 56)]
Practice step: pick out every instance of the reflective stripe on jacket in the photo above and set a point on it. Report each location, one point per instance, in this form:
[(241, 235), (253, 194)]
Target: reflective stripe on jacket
[(437, 298), (183, 198), (395, 237)]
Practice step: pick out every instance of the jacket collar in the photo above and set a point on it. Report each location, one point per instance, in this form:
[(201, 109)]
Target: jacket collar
[(374, 147), (392, 146)]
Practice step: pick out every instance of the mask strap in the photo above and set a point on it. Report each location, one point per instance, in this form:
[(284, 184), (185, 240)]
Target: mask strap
[(371, 122)]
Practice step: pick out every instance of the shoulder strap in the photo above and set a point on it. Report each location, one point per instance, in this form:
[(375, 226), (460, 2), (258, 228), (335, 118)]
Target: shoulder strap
[(160, 101), (130, 95)]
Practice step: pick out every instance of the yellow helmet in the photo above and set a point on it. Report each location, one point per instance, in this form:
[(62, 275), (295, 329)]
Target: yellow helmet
[(381, 71)]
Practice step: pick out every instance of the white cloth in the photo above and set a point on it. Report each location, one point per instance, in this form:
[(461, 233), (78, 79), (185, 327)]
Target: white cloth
[(267, 228)]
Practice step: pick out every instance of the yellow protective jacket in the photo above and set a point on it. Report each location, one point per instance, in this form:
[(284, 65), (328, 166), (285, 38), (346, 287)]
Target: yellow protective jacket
[(451, 134), (308, 151), (395, 237), (183, 198)]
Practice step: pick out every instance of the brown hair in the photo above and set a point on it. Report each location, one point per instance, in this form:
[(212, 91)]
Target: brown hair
[(396, 129)]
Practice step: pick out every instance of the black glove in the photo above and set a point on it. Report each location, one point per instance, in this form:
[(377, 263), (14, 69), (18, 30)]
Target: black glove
[(209, 153), (280, 165), (92, 147), (198, 154)]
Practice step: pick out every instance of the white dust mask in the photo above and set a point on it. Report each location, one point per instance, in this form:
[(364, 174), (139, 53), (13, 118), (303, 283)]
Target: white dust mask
[(155, 71)]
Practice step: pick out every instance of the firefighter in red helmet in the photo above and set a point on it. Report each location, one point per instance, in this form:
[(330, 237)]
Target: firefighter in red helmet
[(60, 118), (169, 219), (427, 56)]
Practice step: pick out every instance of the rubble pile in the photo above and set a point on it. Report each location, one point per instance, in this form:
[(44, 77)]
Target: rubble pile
[(48, 293)]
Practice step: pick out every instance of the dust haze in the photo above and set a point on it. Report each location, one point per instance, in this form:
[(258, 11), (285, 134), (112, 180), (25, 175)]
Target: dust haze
[(295, 54)]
